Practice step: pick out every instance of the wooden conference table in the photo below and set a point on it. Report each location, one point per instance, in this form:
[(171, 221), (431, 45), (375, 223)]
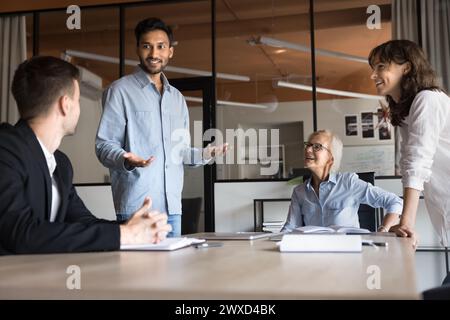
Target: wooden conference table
[(237, 270)]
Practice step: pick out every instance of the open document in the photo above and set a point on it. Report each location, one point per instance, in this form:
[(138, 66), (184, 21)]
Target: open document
[(168, 244), (331, 229)]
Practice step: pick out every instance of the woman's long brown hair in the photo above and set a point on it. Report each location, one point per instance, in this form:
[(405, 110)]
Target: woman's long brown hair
[(420, 77)]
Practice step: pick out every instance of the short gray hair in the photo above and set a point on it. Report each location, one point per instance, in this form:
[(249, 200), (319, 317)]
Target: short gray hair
[(336, 147)]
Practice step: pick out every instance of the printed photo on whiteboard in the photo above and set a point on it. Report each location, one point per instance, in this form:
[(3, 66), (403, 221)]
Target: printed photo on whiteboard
[(351, 126), (367, 125), (384, 129)]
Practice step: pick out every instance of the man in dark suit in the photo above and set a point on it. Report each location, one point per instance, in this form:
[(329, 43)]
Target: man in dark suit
[(40, 211)]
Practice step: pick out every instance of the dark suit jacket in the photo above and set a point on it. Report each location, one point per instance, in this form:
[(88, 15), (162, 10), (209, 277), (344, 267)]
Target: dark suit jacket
[(25, 202)]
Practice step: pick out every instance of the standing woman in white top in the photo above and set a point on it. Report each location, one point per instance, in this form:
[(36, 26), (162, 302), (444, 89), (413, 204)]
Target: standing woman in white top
[(422, 111)]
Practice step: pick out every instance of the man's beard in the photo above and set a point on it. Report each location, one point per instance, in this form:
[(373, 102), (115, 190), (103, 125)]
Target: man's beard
[(152, 71)]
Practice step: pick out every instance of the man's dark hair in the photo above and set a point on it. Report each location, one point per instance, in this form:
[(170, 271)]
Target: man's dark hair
[(151, 24), (38, 82)]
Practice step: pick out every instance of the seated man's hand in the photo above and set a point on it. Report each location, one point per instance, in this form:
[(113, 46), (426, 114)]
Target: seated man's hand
[(135, 161), (403, 230), (215, 151), (145, 226)]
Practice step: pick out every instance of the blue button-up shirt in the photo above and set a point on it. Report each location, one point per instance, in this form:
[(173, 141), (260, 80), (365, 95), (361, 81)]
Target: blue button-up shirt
[(137, 118), (338, 202)]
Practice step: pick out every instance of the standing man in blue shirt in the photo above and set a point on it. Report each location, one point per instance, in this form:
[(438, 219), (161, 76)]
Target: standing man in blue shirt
[(333, 198), (136, 140)]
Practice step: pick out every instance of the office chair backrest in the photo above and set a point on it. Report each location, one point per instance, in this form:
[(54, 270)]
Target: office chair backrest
[(439, 293), (367, 214)]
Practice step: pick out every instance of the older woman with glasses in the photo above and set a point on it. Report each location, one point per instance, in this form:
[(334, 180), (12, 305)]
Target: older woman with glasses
[(333, 198)]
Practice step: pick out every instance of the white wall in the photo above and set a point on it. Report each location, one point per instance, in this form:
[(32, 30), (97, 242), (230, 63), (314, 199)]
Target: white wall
[(80, 148), (234, 202), (430, 270), (98, 199)]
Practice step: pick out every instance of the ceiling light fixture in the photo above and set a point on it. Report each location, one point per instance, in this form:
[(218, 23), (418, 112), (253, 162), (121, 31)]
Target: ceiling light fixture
[(130, 62), (299, 47), (328, 91), (229, 103)]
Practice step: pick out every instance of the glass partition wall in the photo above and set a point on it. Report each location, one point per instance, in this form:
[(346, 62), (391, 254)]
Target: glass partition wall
[(264, 122), (91, 48), (347, 103), (261, 51)]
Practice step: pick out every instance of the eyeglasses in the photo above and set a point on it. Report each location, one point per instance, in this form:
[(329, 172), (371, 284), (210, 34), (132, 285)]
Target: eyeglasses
[(317, 147)]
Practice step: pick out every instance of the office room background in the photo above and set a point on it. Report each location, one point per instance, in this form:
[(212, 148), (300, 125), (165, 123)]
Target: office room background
[(261, 64)]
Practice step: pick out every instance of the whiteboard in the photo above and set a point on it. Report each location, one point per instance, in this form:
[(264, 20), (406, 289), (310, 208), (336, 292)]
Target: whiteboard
[(376, 158)]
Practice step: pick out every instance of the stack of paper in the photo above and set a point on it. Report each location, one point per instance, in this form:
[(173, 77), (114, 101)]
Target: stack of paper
[(168, 244), (320, 243)]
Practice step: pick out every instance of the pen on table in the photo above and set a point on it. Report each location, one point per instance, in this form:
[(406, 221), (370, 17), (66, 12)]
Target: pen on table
[(380, 244), (208, 245), (374, 243)]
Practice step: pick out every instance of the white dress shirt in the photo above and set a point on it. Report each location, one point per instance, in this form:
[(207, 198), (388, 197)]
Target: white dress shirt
[(425, 155), (51, 163)]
